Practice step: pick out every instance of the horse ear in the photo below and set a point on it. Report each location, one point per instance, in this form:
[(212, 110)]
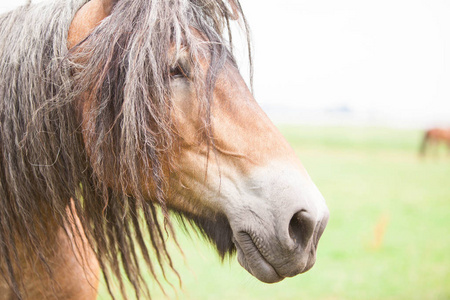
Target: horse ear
[(87, 19)]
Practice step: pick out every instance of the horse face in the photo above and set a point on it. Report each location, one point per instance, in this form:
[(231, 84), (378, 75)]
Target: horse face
[(248, 189)]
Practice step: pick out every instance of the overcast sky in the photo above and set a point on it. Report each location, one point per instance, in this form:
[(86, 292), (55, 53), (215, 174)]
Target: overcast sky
[(388, 57)]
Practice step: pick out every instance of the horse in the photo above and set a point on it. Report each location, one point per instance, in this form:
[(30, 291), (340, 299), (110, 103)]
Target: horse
[(118, 117), (435, 137)]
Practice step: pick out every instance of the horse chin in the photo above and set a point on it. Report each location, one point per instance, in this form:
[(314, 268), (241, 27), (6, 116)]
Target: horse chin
[(251, 259), (254, 256)]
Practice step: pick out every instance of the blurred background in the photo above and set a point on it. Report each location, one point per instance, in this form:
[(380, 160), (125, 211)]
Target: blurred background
[(353, 85)]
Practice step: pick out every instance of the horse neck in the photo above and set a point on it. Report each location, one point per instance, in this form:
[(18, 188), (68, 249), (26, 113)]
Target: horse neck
[(47, 233), (70, 268)]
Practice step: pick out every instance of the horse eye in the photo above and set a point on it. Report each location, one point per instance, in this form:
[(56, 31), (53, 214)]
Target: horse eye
[(177, 72)]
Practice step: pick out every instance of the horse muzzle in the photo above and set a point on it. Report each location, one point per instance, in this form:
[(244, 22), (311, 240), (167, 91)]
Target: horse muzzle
[(276, 234), (269, 260)]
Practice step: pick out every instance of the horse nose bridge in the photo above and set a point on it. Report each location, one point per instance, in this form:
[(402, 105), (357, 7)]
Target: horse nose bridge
[(289, 194)]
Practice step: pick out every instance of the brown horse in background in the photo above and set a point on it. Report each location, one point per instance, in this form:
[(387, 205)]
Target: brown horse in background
[(116, 115), (434, 138)]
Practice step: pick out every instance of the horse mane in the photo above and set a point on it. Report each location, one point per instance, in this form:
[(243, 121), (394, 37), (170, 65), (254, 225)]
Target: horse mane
[(123, 67)]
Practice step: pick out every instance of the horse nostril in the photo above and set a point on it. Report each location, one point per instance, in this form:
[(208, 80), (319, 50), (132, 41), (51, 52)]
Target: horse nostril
[(301, 228)]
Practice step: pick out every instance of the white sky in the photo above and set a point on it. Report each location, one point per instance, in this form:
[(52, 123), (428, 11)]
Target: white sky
[(388, 57)]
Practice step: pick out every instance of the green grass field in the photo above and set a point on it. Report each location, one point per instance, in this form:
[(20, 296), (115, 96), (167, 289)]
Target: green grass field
[(388, 235)]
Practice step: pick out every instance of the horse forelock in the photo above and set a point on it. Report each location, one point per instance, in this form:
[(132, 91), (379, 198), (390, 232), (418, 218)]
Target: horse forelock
[(122, 70)]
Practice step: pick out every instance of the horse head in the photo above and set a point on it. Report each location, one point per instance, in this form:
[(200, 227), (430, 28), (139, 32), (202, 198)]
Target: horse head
[(168, 118)]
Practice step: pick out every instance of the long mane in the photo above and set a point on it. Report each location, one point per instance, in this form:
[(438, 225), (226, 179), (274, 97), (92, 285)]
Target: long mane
[(123, 66)]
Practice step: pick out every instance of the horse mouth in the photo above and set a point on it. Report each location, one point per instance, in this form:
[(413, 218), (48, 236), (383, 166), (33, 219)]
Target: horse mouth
[(252, 258)]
